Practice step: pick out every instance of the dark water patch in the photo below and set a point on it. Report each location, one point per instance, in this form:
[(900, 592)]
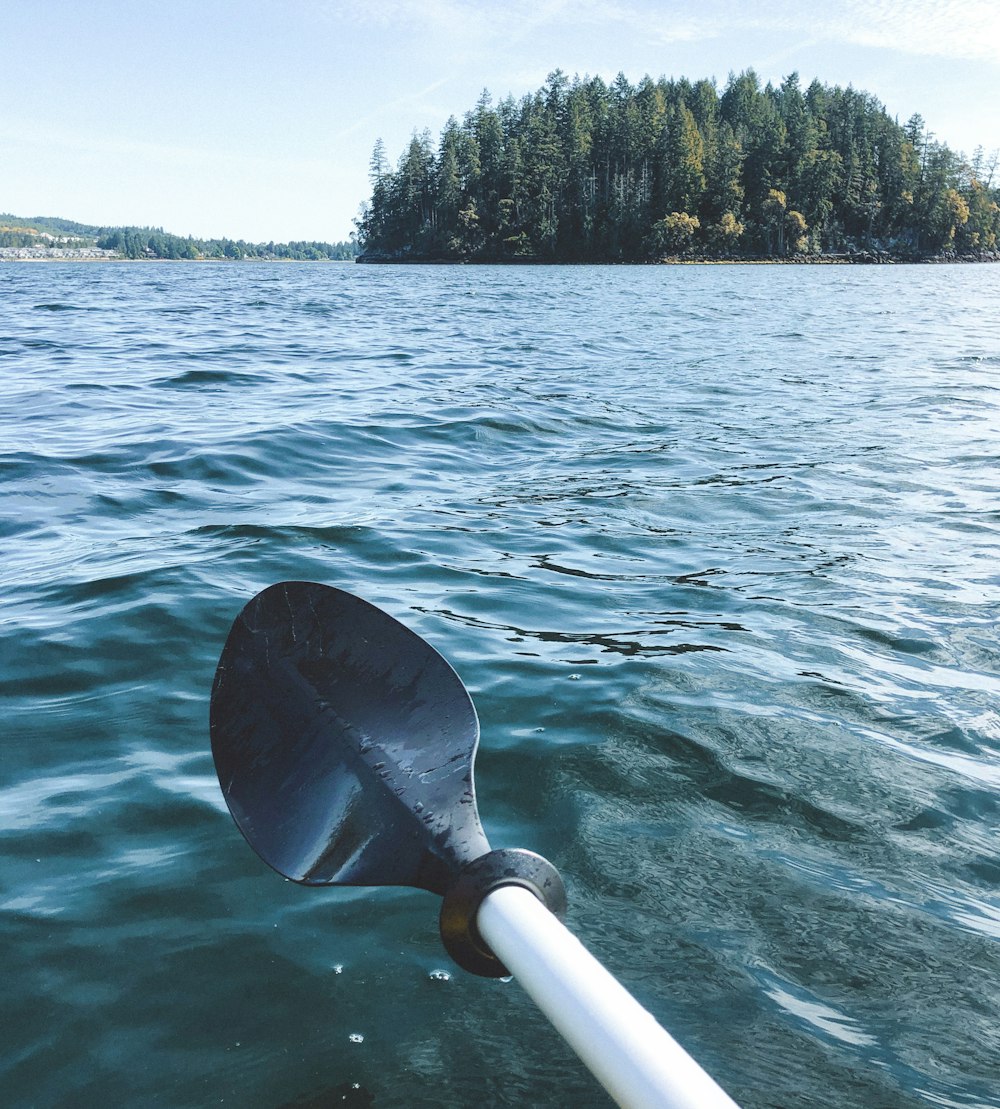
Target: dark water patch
[(211, 468), (11, 529), (954, 739), (908, 645), (184, 309), (762, 801), (32, 343), (392, 357), (985, 872), (128, 502), (199, 379), (99, 386), (105, 590), (238, 533)]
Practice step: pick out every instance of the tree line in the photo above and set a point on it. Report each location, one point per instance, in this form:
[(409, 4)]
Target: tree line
[(154, 242), (586, 171)]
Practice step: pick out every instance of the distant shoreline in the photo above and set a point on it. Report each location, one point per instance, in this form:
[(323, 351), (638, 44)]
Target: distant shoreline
[(11, 255), (35, 255), (53, 239), (859, 259)]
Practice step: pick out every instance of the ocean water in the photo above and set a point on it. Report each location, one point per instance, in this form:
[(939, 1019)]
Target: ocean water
[(715, 550)]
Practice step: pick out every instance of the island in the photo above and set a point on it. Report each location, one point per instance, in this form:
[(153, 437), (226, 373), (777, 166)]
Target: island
[(674, 170)]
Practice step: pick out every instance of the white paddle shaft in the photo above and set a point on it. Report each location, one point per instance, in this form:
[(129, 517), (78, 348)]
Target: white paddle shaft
[(640, 1064)]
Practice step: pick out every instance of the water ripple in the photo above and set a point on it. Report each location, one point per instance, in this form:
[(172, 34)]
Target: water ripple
[(714, 548)]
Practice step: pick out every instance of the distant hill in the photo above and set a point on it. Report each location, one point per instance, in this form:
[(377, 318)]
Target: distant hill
[(40, 236), (50, 225)]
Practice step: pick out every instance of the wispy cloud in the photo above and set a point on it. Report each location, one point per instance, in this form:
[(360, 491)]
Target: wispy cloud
[(389, 108), (521, 19), (968, 29), (962, 29), (956, 29)]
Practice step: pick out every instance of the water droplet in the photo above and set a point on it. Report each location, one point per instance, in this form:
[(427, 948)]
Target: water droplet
[(439, 976), (574, 677), (338, 968), (356, 1038)]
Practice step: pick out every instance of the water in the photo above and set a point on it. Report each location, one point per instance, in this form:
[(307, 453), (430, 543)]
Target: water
[(714, 549)]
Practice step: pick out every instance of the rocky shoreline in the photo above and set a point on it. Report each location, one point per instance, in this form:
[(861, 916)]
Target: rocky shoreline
[(855, 258)]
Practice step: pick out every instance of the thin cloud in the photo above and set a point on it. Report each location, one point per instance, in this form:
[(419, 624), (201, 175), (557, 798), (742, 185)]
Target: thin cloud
[(467, 21), (390, 108), (963, 30), (957, 29), (661, 24)]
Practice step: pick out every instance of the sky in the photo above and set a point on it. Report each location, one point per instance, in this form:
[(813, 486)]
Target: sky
[(256, 119)]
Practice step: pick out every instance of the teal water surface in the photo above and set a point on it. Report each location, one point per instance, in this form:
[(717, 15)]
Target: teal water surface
[(715, 549)]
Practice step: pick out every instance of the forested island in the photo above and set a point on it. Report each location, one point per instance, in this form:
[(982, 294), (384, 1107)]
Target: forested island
[(45, 237), (583, 171)]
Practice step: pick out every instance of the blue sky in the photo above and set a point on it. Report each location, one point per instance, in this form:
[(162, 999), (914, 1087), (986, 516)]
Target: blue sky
[(256, 119)]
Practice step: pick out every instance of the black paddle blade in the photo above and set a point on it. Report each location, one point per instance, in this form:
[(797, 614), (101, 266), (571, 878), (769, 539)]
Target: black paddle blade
[(344, 743)]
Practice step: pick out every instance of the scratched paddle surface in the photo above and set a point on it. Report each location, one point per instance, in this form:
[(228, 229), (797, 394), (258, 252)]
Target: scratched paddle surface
[(715, 551)]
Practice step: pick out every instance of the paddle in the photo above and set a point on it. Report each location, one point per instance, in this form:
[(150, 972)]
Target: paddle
[(344, 746)]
